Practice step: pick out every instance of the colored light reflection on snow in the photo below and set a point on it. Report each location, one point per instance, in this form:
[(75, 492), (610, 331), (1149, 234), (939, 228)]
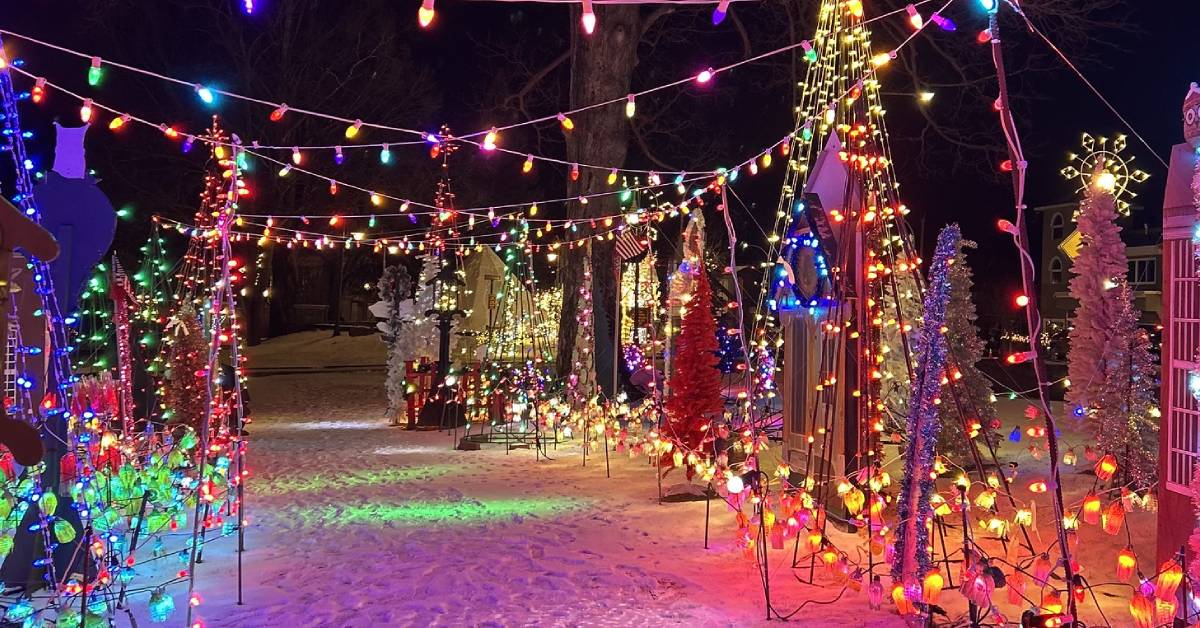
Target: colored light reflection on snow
[(401, 450), (331, 425), (419, 512), (316, 482)]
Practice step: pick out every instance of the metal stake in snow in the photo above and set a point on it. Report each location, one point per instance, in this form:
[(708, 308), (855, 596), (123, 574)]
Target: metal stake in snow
[(913, 507)]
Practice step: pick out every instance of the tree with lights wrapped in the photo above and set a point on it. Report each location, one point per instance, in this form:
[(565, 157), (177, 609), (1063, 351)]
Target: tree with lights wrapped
[(1123, 421), (582, 379), (696, 381), (184, 396), (966, 411), (729, 352), (95, 350), (1110, 366)]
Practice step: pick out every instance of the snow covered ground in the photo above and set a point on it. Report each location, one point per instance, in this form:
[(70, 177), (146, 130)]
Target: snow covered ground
[(312, 349), (358, 524)]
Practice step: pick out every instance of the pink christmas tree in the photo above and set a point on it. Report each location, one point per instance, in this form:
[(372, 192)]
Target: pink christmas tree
[(1112, 371), (1099, 274)]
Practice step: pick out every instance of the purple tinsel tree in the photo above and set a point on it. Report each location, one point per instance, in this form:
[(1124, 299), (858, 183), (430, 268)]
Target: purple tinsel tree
[(916, 489)]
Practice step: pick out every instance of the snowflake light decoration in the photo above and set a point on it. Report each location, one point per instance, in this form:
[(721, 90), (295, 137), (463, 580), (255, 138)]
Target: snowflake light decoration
[(1103, 165)]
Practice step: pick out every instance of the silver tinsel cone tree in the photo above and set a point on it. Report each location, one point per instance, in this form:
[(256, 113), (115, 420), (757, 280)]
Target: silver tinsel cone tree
[(966, 400)]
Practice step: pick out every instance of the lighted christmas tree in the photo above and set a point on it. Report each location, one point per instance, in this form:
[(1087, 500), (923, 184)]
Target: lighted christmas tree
[(1123, 412), (95, 350), (1110, 366), (695, 382), (151, 284), (966, 402), (523, 330), (184, 395), (729, 351), (1111, 369), (1099, 274)]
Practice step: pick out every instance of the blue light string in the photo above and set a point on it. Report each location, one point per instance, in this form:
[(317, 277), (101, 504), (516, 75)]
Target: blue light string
[(58, 360)]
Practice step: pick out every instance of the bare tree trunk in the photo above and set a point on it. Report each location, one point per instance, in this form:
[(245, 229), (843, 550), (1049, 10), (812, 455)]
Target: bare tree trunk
[(283, 291), (601, 68)]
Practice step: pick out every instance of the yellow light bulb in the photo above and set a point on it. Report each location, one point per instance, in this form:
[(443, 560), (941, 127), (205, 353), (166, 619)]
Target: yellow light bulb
[(425, 14)]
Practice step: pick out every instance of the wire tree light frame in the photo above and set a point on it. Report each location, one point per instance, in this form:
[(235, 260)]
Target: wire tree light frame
[(1103, 163)]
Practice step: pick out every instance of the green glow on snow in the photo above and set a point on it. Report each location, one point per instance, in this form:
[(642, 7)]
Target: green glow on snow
[(315, 482), (418, 512)]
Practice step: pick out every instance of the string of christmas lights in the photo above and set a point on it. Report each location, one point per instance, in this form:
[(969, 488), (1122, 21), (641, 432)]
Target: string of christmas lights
[(208, 95), (682, 182)]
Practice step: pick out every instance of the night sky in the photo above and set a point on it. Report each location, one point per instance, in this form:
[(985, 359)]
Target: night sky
[(478, 53)]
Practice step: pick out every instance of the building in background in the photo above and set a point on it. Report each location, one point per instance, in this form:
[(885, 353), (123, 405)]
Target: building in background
[(1143, 247)]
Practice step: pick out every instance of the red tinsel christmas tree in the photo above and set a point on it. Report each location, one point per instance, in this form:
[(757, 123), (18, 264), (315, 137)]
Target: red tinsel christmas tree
[(696, 382)]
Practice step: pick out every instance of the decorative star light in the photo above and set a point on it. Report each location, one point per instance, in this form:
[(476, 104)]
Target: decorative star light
[(1103, 165)]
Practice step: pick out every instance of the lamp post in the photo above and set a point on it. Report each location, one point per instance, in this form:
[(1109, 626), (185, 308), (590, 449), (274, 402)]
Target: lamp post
[(440, 409)]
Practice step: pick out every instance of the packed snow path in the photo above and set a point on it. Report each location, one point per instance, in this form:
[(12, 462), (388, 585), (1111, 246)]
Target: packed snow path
[(355, 523)]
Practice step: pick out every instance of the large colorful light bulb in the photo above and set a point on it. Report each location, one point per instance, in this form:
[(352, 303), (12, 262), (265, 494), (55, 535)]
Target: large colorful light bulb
[(85, 110), (719, 13), (588, 19), (205, 94), (425, 14), (95, 72)]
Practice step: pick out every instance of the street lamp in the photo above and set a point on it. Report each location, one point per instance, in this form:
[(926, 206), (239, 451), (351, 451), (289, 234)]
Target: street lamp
[(441, 409)]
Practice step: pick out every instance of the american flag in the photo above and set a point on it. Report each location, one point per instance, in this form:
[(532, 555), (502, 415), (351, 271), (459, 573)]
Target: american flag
[(632, 243), (121, 289)]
